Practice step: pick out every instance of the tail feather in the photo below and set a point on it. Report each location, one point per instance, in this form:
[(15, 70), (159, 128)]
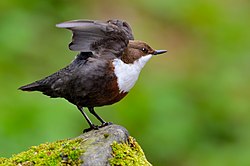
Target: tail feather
[(36, 86), (31, 87)]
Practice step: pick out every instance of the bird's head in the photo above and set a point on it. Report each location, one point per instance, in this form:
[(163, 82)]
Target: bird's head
[(139, 49)]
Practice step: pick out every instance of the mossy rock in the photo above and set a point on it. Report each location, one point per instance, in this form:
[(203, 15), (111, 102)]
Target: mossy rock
[(64, 152), (110, 145), (128, 153)]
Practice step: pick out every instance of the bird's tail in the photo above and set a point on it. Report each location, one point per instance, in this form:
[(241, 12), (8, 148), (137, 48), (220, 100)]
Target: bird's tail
[(35, 86)]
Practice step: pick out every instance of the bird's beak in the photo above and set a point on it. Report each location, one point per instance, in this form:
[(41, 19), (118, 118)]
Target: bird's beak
[(156, 52)]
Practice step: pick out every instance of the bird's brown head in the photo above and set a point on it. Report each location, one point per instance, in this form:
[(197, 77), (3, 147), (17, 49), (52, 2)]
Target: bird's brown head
[(137, 49)]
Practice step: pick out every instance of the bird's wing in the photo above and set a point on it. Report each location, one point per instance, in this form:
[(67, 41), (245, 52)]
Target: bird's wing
[(99, 37)]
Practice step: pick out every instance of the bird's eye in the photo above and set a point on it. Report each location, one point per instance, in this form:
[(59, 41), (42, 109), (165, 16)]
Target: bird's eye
[(144, 50)]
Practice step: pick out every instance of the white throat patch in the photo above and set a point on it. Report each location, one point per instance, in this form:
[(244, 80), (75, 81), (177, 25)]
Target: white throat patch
[(127, 74)]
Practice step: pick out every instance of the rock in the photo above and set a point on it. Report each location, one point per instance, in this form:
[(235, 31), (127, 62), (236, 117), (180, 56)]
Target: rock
[(97, 144), (108, 146)]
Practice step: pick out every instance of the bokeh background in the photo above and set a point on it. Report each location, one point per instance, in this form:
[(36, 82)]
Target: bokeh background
[(190, 107)]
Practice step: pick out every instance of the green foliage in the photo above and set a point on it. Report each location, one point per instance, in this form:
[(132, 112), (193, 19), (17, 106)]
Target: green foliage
[(64, 152), (129, 153)]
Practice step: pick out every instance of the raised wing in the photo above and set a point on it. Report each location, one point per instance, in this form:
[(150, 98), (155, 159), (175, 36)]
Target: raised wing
[(99, 37)]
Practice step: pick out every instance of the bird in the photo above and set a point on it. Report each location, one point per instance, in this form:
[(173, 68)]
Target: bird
[(103, 72)]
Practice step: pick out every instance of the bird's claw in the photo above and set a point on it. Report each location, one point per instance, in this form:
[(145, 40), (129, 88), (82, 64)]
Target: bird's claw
[(105, 124), (92, 127), (95, 127)]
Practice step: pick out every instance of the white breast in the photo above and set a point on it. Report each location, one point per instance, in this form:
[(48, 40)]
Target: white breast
[(127, 74)]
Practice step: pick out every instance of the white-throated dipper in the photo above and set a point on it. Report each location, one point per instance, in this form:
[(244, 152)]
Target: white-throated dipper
[(104, 71)]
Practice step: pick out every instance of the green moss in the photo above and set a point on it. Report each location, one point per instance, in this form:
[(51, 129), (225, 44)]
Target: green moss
[(63, 152), (106, 135), (129, 153)]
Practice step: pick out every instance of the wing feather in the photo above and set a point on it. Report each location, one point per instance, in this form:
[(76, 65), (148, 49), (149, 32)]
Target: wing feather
[(98, 37)]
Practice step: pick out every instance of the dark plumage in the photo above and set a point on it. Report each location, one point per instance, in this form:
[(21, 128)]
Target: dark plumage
[(91, 80)]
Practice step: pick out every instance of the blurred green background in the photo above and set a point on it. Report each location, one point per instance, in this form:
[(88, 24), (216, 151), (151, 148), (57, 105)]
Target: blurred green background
[(190, 106)]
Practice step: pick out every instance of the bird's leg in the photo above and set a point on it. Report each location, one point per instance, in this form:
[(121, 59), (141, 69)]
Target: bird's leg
[(92, 111), (92, 126)]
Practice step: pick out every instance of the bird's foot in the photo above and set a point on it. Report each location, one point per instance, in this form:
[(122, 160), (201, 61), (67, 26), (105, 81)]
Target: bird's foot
[(105, 124), (95, 127), (92, 127)]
